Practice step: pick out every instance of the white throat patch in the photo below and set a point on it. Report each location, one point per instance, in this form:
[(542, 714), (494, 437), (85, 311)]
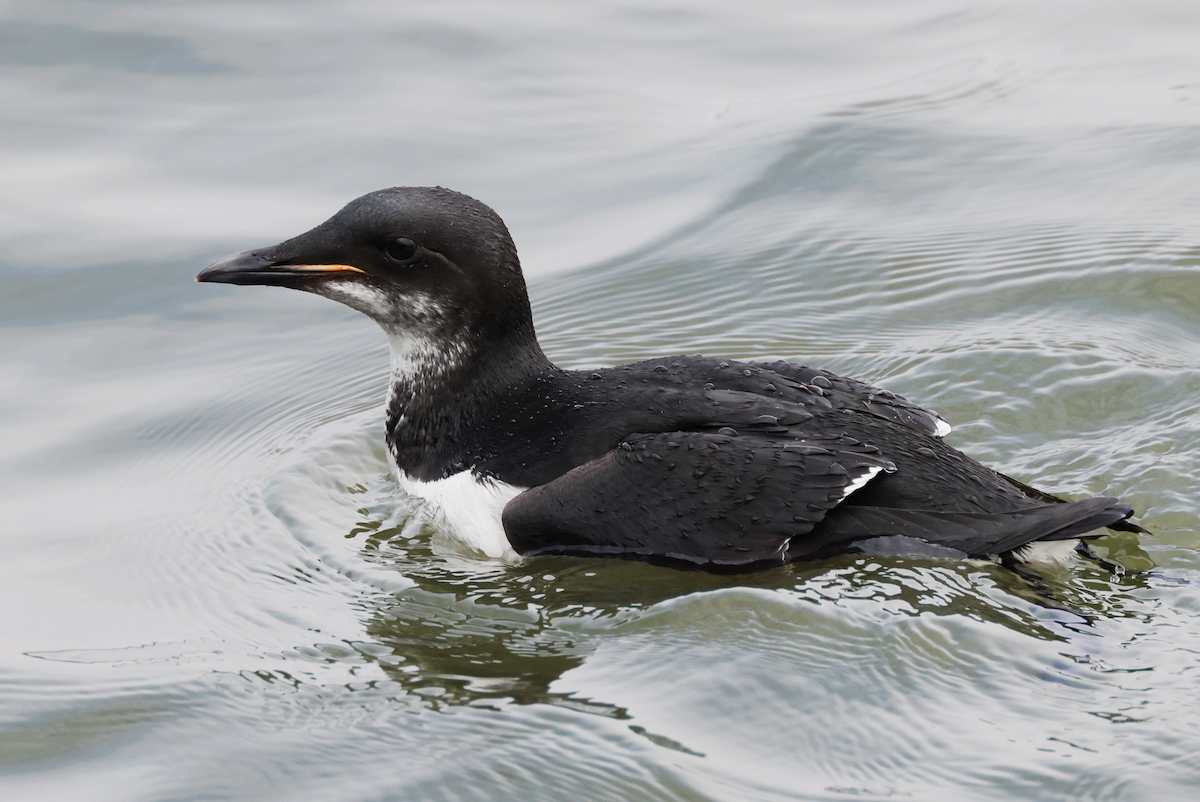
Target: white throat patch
[(417, 363), (414, 355)]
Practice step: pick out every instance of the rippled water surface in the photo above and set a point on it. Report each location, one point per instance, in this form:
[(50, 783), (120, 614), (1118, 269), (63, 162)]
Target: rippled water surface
[(212, 588)]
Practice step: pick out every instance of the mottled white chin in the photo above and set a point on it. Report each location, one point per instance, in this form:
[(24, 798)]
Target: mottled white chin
[(371, 301), (399, 313)]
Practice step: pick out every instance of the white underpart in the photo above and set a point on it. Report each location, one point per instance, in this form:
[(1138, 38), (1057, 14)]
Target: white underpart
[(464, 508), (1047, 551), (467, 509), (859, 483)]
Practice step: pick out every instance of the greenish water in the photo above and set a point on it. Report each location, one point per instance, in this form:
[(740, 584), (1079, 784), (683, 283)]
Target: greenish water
[(211, 587)]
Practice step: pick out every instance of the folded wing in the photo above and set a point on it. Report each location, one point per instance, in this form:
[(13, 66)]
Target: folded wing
[(699, 496)]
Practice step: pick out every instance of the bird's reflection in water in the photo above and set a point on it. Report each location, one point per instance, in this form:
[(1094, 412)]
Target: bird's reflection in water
[(480, 633)]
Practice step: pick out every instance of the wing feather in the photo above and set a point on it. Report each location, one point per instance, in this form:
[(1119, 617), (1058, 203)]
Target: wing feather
[(699, 496)]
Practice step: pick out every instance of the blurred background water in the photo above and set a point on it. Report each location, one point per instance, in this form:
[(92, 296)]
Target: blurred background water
[(212, 589)]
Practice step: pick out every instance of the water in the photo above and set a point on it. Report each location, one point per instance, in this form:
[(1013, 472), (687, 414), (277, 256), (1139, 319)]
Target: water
[(212, 589)]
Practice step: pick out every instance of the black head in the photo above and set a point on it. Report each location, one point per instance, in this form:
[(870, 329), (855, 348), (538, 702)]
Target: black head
[(420, 261)]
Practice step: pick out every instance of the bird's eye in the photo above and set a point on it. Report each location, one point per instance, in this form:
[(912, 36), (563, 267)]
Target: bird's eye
[(400, 249)]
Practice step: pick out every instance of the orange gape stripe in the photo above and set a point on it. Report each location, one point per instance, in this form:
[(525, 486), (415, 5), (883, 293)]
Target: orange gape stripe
[(326, 268)]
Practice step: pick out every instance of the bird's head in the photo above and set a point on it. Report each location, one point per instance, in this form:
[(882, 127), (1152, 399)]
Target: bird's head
[(423, 262)]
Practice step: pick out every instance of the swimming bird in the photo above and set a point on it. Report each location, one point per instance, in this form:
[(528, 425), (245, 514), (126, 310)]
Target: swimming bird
[(714, 462)]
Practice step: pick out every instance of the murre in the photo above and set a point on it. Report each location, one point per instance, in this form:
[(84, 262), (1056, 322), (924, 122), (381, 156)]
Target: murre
[(684, 458)]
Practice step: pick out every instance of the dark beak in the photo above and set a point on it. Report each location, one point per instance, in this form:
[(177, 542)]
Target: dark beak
[(257, 267)]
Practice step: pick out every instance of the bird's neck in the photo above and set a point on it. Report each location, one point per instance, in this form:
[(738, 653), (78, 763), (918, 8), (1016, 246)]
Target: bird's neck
[(440, 388)]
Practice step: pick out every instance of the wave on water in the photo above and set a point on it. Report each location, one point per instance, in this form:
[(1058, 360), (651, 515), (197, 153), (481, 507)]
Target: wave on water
[(336, 486)]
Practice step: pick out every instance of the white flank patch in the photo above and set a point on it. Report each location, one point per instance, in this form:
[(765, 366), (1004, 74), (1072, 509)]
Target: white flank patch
[(942, 429), (859, 483), (1047, 551), (467, 509)]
